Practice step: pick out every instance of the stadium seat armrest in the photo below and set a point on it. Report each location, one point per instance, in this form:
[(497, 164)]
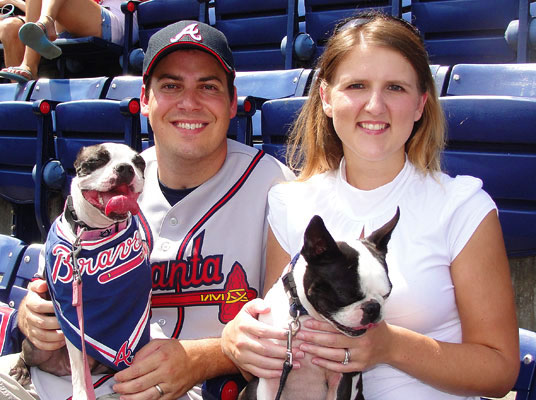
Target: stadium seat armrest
[(128, 8)]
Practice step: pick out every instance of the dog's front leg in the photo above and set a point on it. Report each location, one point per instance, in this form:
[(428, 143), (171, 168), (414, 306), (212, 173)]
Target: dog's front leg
[(77, 372), (350, 386)]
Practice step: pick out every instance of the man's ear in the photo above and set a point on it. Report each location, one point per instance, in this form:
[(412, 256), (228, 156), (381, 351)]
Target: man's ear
[(326, 99), (234, 104), (144, 101)]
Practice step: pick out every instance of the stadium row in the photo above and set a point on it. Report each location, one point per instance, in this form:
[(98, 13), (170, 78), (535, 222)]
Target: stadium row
[(490, 110), (455, 31)]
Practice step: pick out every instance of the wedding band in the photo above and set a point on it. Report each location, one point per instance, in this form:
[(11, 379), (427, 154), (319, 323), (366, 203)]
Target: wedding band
[(157, 387), (346, 357)]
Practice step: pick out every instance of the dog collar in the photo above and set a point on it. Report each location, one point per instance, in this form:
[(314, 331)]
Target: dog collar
[(290, 287), (89, 232)]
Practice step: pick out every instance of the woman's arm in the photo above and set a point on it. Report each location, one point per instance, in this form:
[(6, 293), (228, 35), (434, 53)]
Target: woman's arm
[(487, 360), (247, 341)]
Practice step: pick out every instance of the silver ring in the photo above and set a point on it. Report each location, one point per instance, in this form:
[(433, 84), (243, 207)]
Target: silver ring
[(157, 387), (346, 357)]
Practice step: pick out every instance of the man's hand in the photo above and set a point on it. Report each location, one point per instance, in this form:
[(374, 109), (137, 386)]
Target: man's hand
[(36, 318), (175, 365)]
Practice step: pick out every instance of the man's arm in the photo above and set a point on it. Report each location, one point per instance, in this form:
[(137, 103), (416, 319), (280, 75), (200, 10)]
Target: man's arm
[(175, 365)]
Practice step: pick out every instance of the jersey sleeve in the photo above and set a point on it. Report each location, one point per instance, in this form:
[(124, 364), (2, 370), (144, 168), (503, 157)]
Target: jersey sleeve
[(468, 205)]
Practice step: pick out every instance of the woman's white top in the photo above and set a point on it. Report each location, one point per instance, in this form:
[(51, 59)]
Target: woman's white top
[(438, 216)]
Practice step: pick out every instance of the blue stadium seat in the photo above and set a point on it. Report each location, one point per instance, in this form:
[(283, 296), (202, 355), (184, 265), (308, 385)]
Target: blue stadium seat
[(15, 91), (254, 30), (492, 138), (526, 381), (11, 252), (440, 74), (23, 144), (521, 33), (493, 79), (59, 90), (126, 86), (270, 85), (321, 16), (28, 267), (154, 15), (277, 118), (525, 386), (465, 31)]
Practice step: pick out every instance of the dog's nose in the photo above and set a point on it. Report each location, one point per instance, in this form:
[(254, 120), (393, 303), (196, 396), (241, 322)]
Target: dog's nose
[(124, 172), (371, 312)]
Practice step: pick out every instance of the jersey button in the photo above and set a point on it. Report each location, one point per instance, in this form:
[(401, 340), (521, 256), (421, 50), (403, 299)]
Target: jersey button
[(165, 246), (173, 221), (161, 322)]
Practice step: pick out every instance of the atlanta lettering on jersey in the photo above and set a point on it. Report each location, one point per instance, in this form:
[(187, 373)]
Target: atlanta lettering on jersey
[(199, 271), (196, 271)]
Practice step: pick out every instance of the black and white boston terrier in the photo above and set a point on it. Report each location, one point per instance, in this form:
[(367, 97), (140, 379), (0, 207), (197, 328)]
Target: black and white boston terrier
[(96, 241), (345, 284)]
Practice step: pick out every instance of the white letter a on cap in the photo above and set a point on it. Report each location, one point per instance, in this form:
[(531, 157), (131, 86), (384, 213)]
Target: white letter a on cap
[(191, 30)]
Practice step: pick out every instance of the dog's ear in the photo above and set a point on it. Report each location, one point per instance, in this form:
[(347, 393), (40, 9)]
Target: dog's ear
[(317, 242), (381, 237)]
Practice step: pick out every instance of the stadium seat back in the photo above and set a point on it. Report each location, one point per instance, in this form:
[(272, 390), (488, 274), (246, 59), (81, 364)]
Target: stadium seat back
[(60, 90), (254, 30), (15, 91), (465, 31), (270, 85), (493, 79), (28, 267), (277, 119), (11, 252), (492, 138), (322, 16)]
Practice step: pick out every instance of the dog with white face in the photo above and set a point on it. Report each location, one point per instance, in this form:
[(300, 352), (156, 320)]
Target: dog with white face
[(97, 239), (345, 284)]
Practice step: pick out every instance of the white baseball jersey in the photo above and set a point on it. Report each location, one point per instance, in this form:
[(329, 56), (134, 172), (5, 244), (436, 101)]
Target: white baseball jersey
[(207, 251)]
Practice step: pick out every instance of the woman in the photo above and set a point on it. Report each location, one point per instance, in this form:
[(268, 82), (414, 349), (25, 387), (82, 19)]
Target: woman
[(369, 139), (79, 18)]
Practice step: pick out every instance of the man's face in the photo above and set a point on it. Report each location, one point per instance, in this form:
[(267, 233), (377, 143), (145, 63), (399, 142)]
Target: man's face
[(189, 107)]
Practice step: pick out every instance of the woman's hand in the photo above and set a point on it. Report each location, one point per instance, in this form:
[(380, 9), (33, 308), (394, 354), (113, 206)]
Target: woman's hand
[(327, 346), (247, 342)]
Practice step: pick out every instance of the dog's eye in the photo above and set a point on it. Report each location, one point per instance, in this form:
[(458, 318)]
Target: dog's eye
[(139, 162), (89, 166)]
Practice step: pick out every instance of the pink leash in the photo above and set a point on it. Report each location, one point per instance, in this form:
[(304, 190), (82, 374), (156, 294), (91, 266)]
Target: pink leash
[(77, 302)]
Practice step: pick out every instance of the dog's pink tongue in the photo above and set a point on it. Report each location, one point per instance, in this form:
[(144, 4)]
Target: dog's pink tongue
[(121, 202)]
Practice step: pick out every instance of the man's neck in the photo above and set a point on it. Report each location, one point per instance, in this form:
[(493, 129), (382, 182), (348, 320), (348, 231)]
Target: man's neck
[(189, 173)]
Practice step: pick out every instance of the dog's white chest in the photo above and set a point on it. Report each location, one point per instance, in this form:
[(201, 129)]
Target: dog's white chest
[(309, 382)]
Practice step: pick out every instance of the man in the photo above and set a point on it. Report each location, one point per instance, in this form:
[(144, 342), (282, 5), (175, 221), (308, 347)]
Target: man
[(203, 212)]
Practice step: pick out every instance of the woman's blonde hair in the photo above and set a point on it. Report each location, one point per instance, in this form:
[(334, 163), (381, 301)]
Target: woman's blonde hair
[(314, 146)]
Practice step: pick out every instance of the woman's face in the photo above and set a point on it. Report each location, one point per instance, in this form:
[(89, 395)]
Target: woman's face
[(374, 100)]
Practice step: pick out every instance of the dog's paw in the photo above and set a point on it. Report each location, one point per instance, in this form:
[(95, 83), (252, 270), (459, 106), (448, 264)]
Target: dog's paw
[(20, 372)]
